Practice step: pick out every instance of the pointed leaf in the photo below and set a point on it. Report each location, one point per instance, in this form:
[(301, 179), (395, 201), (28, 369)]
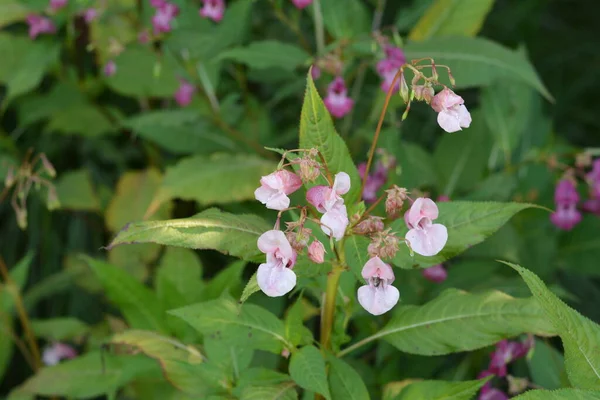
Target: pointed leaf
[(345, 382), (75, 191), (267, 54), (250, 288), (440, 390), (282, 391), (560, 394), (307, 369)]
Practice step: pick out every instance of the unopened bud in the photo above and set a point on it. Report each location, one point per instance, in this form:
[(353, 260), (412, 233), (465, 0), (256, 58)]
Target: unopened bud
[(298, 240), (53, 202), (309, 170), (434, 73), (48, 165), (316, 252), (394, 201), (451, 78), (405, 114), (370, 225), (21, 218), (384, 245), (404, 91), (10, 177), (516, 385)]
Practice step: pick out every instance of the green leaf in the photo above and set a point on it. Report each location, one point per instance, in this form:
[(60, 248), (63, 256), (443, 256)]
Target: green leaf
[(295, 331), (220, 178), (210, 229), (468, 224), (477, 61), (452, 17), (139, 305), (248, 325), (228, 280), (181, 131), (345, 19), (579, 335), (268, 54), (179, 277), (75, 191), (547, 366), (345, 383), (307, 369), (440, 390), (12, 11), (59, 328), (250, 288), (83, 119), (417, 165), (580, 249), (282, 391), (63, 95), (317, 131), (88, 376), (438, 327), (561, 394)]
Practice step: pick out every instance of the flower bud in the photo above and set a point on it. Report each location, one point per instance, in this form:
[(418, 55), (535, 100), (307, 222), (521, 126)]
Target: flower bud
[(404, 91), (394, 201), (48, 165), (21, 218), (10, 177), (53, 203), (384, 245), (316, 252), (428, 94), (298, 240), (370, 225), (309, 169)]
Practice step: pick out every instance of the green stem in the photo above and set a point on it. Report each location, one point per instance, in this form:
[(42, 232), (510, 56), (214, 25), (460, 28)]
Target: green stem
[(328, 314), (319, 29)]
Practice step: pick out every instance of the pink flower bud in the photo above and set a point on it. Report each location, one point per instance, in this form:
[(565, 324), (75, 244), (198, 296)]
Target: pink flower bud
[(184, 94), (316, 252), (315, 71), (436, 274), (110, 68), (90, 14)]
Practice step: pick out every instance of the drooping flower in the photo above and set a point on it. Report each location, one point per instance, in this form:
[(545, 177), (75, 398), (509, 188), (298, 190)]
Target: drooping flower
[(436, 274), (452, 113), (185, 92), (213, 9), (39, 25), (425, 237), (328, 201), (55, 353), (300, 4), (378, 295), (389, 66), (566, 198), (90, 14), (337, 101), (275, 277), (56, 5), (110, 68), (316, 252), (275, 188)]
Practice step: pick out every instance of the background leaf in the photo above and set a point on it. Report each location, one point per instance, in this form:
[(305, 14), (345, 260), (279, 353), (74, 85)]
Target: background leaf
[(561, 394), (307, 369), (438, 390), (267, 54), (345, 383)]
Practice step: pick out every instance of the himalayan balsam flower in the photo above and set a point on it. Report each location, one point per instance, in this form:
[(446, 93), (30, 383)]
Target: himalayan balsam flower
[(275, 187), (56, 5), (213, 9), (425, 237), (300, 4), (507, 352), (593, 178), (452, 113), (39, 25), (490, 393), (389, 66), (566, 197), (337, 101), (275, 277), (378, 296), (436, 274), (165, 12), (110, 68), (316, 252), (56, 352), (90, 14), (328, 201), (185, 92), (374, 181)]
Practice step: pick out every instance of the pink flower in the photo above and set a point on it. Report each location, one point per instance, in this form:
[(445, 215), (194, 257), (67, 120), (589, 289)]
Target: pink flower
[(374, 181), (442, 198), (315, 72), (90, 14), (594, 178), (316, 252), (490, 393), (592, 205), (425, 237), (185, 92), (300, 4), (56, 352), (275, 187), (566, 197), (328, 201), (389, 66), (158, 3), (436, 274), (337, 101), (110, 68), (507, 352), (275, 277), (56, 5), (452, 113), (161, 21), (566, 192), (39, 25), (378, 296), (213, 9)]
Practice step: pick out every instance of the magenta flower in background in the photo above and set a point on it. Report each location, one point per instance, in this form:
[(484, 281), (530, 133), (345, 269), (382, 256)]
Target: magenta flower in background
[(275, 277), (315, 72), (437, 273), (593, 178), (185, 92), (337, 101), (507, 352), (490, 393), (442, 198), (158, 3), (55, 353), (165, 12), (389, 66), (374, 181), (56, 5), (144, 36), (90, 14), (425, 237), (110, 68), (213, 9), (566, 198), (300, 4), (274, 189), (39, 25), (378, 296), (452, 113)]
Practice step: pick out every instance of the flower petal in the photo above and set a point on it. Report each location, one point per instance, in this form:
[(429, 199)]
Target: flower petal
[(317, 196), (279, 201), (464, 117), (337, 220), (275, 281), (264, 193), (449, 121), (428, 242), (377, 268), (422, 208), (378, 300), (273, 240), (341, 184)]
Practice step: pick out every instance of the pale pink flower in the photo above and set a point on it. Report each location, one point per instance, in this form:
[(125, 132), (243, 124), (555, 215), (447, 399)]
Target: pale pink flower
[(39, 25), (300, 4), (328, 201), (425, 237), (436, 274), (335, 221), (56, 352), (316, 252), (185, 92), (213, 9), (56, 5), (110, 68), (490, 393), (275, 187), (389, 66), (337, 101), (452, 113), (275, 277), (90, 14), (378, 295)]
